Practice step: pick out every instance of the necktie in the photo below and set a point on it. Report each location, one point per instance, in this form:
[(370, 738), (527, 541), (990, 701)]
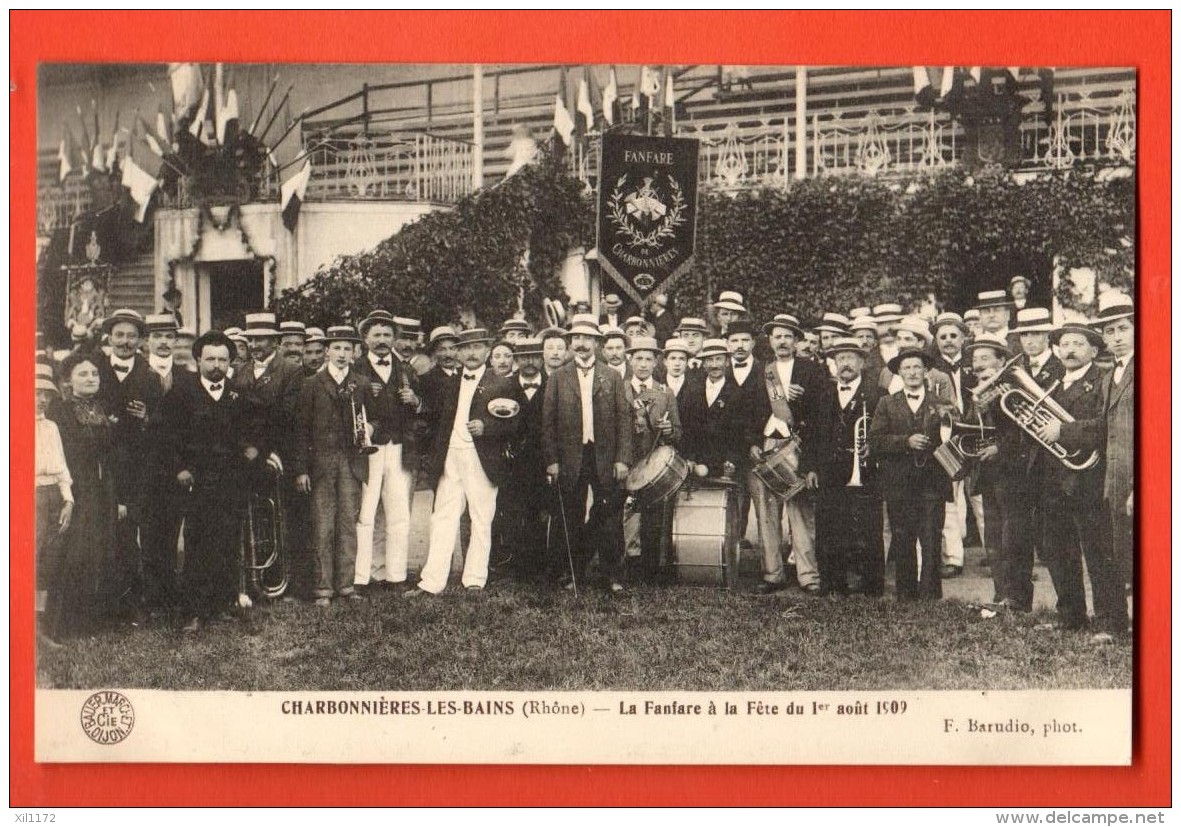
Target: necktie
[(587, 369), (913, 396), (383, 363), (120, 368), (531, 385), (469, 377), (643, 387)]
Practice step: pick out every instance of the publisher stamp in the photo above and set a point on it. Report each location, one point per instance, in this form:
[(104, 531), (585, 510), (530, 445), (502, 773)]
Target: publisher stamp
[(107, 717)]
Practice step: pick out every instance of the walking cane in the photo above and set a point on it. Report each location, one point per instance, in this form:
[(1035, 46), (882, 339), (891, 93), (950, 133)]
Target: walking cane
[(566, 534)]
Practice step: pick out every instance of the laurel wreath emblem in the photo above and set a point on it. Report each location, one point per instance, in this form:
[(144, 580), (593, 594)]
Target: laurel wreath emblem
[(665, 229)]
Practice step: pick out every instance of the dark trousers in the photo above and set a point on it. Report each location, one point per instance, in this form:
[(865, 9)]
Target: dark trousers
[(522, 515), (656, 524), (912, 520), (212, 548), (849, 540), (336, 503), (602, 532), (297, 515), (1018, 503), (994, 532), (1118, 528), (1072, 532), (47, 536), (160, 537)]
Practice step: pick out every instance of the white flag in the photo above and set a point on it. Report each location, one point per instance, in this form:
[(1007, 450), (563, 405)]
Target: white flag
[(140, 184), (563, 123)]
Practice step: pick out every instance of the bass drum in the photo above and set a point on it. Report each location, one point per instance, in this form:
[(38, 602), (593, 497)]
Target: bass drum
[(704, 542)]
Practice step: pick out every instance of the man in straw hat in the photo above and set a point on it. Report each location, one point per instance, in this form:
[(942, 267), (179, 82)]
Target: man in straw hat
[(996, 311), (329, 464), (587, 437), (676, 363), (729, 307), (1033, 332), (292, 335), (467, 464), (1019, 290), (397, 404), (904, 434), (849, 548), (612, 314), (712, 416), (785, 406), (314, 351), (1071, 500), (950, 334)]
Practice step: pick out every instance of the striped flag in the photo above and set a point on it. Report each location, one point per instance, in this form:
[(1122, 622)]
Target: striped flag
[(141, 175), (292, 192)]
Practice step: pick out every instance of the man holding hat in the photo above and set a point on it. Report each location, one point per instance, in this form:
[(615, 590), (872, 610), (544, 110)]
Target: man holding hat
[(785, 406), (587, 436), (903, 436), (655, 422), (1071, 500), (467, 464), (849, 548), (397, 404)]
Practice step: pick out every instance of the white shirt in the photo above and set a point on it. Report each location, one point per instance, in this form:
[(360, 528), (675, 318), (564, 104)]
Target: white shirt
[(713, 390), (1036, 365), (1120, 366), (216, 394), (915, 404), (383, 371), (844, 396), (776, 426), (639, 386), (337, 374), (460, 437), (956, 373), (1073, 376), (261, 367), (128, 363), (50, 459), (160, 364), (533, 386), (675, 383), (742, 371), (621, 369), (585, 389)]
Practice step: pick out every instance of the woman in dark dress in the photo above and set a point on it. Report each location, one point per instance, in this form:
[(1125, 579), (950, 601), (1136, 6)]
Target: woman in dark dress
[(90, 579)]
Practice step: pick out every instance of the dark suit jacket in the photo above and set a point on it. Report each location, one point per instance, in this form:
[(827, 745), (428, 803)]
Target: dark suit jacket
[(967, 378), (903, 472), (713, 434), (204, 437), (1119, 405), (830, 452), (805, 411), (528, 464), (664, 326), (498, 433), (653, 405), (1052, 371), (394, 421), (325, 427), (273, 400), (1083, 400), (132, 439), (562, 422)]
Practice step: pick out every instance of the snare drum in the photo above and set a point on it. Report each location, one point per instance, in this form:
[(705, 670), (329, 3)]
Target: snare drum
[(704, 546), (657, 477), (776, 469)]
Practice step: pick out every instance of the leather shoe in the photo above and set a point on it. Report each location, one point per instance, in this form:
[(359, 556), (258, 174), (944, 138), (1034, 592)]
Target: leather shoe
[(770, 588), (1102, 638), (948, 571), (323, 602), (411, 594), (812, 589), (192, 626), (617, 588)]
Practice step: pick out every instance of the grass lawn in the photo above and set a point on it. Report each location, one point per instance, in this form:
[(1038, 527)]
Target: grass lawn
[(517, 637)]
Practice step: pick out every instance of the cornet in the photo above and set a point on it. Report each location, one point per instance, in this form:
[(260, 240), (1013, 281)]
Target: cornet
[(361, 430), (860, 447)]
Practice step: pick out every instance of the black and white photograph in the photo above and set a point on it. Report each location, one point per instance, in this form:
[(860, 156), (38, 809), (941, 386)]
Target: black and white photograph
[(381, 395)]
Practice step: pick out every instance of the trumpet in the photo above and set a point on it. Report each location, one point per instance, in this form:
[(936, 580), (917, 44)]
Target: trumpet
[(361, 430), (263, 549), (860, 447), (1023, 401)]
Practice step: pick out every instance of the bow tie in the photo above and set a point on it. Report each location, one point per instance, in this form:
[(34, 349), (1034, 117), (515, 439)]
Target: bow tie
[(214, 388), (528, 385), (643, 387), (383, 363), (1119, 364), (585, 370), (121, 368), (914, 396), (846, 388), (469, 377)]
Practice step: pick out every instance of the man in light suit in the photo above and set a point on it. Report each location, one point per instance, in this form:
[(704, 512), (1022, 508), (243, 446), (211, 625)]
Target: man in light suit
[(587, 438), (467, 463)]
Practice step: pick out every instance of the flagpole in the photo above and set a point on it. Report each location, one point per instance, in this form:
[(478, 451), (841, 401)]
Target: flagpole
[(275, 114), (801, 122), (477, 126), (265, 101)]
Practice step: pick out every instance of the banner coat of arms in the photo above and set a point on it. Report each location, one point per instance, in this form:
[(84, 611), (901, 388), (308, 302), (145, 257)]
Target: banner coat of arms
[(647, 223)]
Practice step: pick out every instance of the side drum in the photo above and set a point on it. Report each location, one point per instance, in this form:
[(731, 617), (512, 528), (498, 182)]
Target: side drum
[(657, 477), (704, 546), (776, 469)]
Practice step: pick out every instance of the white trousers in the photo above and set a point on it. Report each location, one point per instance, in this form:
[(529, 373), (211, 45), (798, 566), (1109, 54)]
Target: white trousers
[(393, 486), (955, 526), (463, 485)]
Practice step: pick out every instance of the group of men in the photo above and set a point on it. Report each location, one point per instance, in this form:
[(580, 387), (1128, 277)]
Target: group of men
[(533, 463)]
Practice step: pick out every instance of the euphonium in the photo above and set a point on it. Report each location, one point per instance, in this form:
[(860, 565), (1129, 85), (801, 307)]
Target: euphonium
[(860, 446), (360, 430), (264, 547), (1024, 402)]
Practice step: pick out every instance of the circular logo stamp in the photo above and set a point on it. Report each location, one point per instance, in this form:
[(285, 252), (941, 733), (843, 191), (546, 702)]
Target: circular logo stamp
[(107, 717)]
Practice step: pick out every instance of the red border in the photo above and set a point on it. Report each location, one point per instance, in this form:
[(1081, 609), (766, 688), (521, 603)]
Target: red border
[(878, 38)]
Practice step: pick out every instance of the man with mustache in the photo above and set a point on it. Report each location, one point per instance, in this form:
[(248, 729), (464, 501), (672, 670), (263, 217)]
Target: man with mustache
[(292, 336), (587, 438)]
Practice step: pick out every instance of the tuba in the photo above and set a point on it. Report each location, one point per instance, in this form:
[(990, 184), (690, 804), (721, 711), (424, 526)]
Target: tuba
[(360, 430), (860, 447), (1023, 401), (264, 569)]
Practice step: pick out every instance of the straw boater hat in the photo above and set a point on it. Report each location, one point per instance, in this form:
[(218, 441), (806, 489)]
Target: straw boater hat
[(916, 325), (382, 317), (586, 325), (124, 315), (609, 332), (859, 312), (160, 323), (552, 333), (692, 324), (1016, 279), (293, 328), (730, 300), (634, 320), (864, 323), (832, 323), (341, 333), (844, 345), (261, 324), (989, 340), (473, 336), (713, 347), (612, 301), (441, 333), (887, 313), (528, 347), (785, 320), (407, 327), (949, 318), (1085, 328), (1113, 305), (644, 343), (971, 315), (910, 352), (515, 324), (45, 379), (315, 336), (993, 298), (676, 346), (1033, 320)]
